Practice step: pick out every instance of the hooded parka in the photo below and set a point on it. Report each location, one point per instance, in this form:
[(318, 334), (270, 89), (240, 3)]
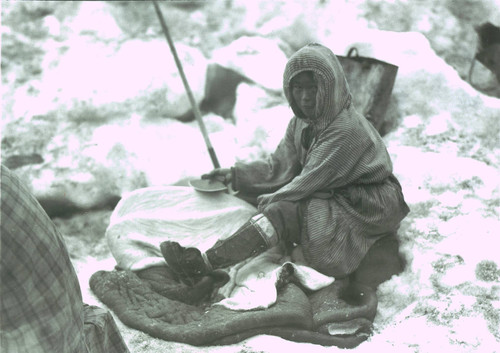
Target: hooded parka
[(342, 176)]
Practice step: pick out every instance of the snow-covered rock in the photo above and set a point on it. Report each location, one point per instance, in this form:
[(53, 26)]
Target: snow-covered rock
[(261, 121), (87, 164), (439, 172), (259, 59), (100, 74), (295, 32), (95, 19)]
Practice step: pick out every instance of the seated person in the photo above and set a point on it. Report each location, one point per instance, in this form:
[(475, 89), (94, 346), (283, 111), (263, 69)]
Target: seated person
[(328, 186), (41, 308)]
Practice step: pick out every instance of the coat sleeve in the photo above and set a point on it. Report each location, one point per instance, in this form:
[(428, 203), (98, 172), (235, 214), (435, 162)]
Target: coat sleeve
[(316, 175), (266, 176), (336, 160)]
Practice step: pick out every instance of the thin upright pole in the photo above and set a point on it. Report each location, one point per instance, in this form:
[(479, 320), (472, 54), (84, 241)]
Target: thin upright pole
[(196, 110)]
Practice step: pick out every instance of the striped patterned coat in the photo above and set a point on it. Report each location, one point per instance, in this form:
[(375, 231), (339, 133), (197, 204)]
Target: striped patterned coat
[(344, 179)]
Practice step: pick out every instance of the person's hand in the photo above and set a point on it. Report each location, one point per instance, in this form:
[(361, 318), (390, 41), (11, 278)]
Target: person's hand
[(220, 174)]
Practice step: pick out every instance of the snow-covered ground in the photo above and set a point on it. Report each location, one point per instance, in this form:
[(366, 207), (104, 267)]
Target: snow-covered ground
[(445, 150)]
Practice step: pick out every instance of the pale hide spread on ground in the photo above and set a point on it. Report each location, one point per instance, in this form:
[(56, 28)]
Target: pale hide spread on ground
[(147, 217)]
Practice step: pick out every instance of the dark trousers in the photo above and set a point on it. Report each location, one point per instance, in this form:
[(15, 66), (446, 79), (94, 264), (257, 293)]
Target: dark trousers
[(287, 219)]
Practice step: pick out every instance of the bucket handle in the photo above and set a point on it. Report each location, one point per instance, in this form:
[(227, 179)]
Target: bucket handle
[(353, 52)]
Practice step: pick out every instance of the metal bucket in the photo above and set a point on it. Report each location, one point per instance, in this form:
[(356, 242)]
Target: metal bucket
[(371, 82)]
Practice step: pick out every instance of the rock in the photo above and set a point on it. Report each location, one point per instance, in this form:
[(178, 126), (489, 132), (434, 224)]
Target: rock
[(259, 59), (441, 172), (487, 271), (439, 125), (53, 25), (61, 207), (141, 74), (74, 62), (20, 160), (261, 121), (295, 34), (88, 165), (95, 18)]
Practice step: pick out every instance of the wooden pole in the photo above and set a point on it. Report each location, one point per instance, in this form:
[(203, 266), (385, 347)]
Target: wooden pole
[(196, 110)]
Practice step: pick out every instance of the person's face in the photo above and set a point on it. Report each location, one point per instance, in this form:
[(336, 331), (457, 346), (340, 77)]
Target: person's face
[(304, 91)]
